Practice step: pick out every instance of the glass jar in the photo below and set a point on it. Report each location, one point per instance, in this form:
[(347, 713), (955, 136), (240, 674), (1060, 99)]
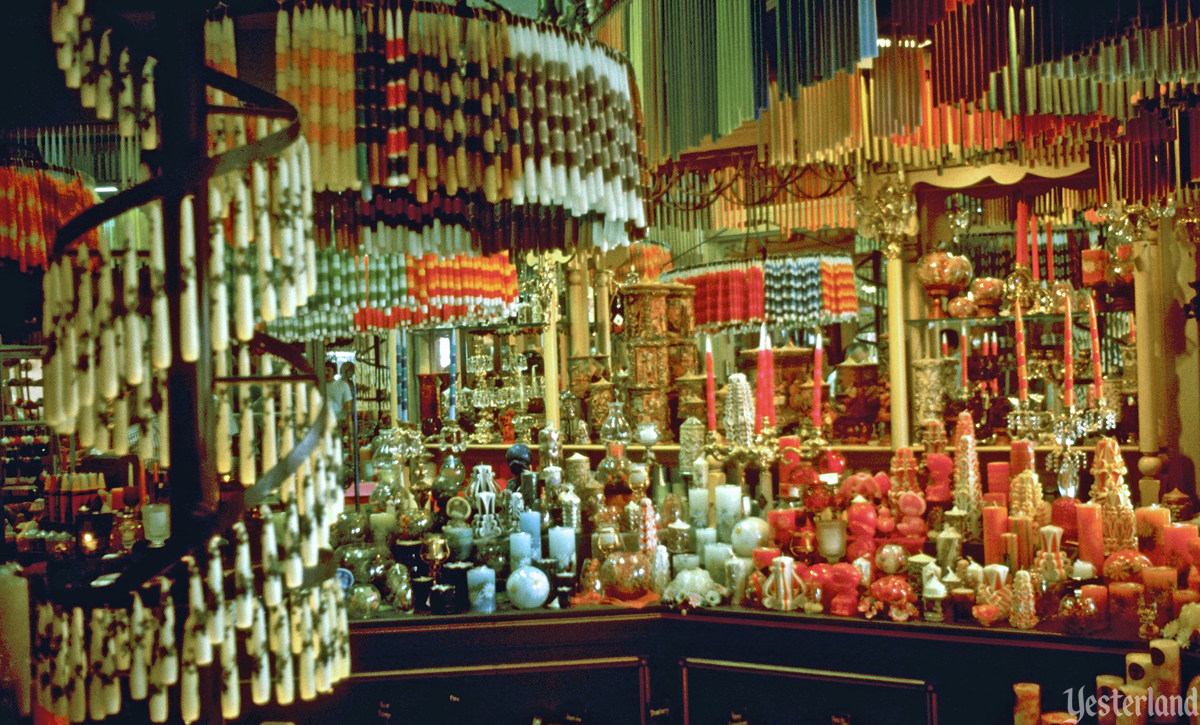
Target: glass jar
[(616, 428)]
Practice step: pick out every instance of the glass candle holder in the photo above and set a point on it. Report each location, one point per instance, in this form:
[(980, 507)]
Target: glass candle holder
[(831, 539), (156, 523)]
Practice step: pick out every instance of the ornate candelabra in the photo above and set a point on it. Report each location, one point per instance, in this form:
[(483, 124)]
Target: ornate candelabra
[(1027, 418), (761, 450)]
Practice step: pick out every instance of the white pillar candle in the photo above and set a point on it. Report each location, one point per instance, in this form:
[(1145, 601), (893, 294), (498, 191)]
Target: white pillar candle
[(562, 546), (481, 583), (729, 510), (531, 523), (698, 507), (520, 549), (703, 537), (715, 556)]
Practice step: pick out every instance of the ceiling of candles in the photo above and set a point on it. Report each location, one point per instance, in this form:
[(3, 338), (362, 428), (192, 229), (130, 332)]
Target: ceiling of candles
[(797, 85)]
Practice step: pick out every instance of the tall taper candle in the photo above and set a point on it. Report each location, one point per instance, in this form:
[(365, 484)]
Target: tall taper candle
[(1068, 355), (818, 377), (1094, 330), (710, 384)]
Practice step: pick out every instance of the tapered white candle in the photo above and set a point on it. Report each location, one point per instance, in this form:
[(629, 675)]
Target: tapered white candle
[(189, 312), (160, 346), (246, 457), (218, 289), (244, 302)]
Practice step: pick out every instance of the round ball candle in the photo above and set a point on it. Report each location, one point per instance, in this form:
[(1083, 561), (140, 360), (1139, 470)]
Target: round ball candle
[(1094, 331), (1028, 707)]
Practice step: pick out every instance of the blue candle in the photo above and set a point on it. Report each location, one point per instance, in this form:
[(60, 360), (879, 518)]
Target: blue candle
[(520, 549), (481, 584), (531, 523), (562, 546)]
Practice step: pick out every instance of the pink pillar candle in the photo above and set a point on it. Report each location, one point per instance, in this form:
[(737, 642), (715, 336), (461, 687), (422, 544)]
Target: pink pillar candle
[(1098, 593), (1022, 232), (1178, 538), (996, 499), (1123, 601), (995, 525), (998, 477), (1181, 598), (1062, 514), (1091, 533), (1020, 457), (1151, 520)]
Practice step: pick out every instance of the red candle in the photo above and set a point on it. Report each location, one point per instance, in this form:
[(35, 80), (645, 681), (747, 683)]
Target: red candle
[(1097, 377), (710, 384), (1022, 373), (998, 477), (818, 376), (1068, 356), (1098, 593), (1182, 597), (1049, 254), (1091, 533), (1151, 521), (1022, 232), (1132, 329), (1123, 598), (1177, 538), (945, 345), (996, 499), (1036, 271), (963, 344), (995, 525), (1021, 457)]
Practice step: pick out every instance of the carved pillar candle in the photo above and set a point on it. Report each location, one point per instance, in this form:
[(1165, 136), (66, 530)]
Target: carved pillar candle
[(1028, 707), (729, 510)]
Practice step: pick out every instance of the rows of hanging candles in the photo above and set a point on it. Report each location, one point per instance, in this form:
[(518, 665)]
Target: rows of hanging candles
[(225, 131), (34, 206), (106, 81), (508, 128), (314, 71), (728, 294)]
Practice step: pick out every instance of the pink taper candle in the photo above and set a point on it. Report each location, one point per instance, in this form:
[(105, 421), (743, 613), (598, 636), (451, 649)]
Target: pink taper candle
[(964, 341), (1022, 374), (1036, 267), (1068, 355), (818, 377), (710, 384), (1049, 253), (1097, 376), (1022, 232), (762, 388)]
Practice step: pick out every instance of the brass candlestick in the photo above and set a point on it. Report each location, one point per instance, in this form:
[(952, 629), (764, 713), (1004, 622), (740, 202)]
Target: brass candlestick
[(762, 451)]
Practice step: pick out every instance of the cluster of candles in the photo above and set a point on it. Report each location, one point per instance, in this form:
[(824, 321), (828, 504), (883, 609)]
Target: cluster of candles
[(764, 395)]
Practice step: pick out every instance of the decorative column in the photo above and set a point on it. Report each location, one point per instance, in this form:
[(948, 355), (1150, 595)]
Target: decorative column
[(603, 310), (897, 365), (1148, 317), (577, 307)]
